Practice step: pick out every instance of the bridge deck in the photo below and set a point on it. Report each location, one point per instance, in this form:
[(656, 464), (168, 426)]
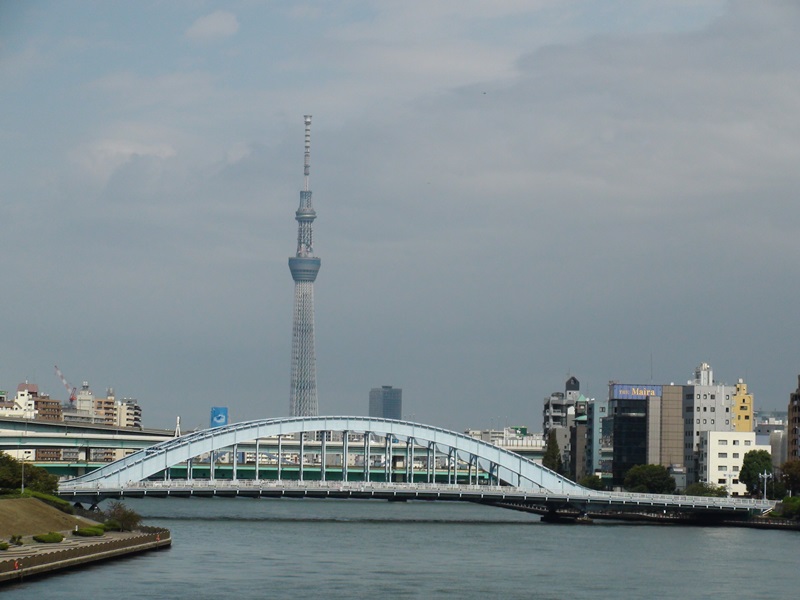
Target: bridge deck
[(590, 500)]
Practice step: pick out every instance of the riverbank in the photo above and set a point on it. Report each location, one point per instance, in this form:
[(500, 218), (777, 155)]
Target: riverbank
[(28, 517)]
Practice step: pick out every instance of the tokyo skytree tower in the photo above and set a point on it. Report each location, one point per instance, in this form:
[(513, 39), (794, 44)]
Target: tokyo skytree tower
[(304, 267)]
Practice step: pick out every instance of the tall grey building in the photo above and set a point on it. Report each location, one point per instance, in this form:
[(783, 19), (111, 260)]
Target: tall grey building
[(386, 402), (304, 267)]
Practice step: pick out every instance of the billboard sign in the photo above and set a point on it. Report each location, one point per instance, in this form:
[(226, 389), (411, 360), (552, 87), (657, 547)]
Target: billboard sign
[(624, 391), (219, 416)]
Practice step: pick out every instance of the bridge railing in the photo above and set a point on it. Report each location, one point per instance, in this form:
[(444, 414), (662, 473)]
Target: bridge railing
[(590, 496)]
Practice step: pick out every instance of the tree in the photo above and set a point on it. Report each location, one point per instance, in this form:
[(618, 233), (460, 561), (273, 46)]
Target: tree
[(552, 454), (701, 488), (755, 463), (651, 479), (36, 478), (127, 518), (593, 482), (791, 475)]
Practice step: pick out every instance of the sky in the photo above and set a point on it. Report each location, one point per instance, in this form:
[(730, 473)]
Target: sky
[(508, 193)]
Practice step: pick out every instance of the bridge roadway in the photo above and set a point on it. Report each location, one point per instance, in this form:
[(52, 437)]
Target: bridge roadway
[(542, 502)]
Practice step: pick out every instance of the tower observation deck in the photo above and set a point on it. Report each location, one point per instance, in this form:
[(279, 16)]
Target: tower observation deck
[(304, 267)]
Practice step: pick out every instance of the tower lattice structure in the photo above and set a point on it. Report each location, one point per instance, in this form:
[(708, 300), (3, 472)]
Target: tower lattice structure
[(304, 267)]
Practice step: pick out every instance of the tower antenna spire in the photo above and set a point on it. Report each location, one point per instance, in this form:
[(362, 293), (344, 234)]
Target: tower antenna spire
[(307, 159)]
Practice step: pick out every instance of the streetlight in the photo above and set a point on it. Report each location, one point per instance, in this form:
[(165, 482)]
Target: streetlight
[(764, 477)]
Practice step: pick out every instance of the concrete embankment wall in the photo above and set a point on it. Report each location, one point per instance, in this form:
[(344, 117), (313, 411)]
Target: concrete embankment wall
[(42, 559)]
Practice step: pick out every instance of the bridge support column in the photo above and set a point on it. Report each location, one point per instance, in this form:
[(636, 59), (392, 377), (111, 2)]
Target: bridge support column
[(411, 461), (405, 459), (302, 454), (387, 459), (449, 465), (345, 455), (280, 455), (189, 469), (428, 462), (258, 460), (323, 458), (366, 456), (235, 462)]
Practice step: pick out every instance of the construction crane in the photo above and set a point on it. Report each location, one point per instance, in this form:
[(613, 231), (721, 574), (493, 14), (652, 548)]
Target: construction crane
[(70, 390)]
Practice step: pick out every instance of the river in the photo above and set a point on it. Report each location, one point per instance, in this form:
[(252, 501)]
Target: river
[(271, 548)]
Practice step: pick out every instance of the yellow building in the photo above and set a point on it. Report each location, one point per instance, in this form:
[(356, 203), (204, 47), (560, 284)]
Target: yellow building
[(742, 408)]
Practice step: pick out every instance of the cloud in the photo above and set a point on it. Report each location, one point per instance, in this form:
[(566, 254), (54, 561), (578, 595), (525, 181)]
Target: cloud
[(217, 25)]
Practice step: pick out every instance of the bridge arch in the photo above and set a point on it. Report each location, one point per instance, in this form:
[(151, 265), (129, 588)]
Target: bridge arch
[(502, 464)]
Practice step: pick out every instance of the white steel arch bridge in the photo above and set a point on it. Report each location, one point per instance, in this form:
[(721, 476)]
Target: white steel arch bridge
[(423, 443), (506, 478)]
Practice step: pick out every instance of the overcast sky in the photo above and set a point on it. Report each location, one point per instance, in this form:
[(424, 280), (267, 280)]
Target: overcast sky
[(507, 193)]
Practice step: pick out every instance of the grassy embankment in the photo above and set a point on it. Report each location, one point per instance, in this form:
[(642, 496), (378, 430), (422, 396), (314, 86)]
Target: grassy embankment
[(29, 516)]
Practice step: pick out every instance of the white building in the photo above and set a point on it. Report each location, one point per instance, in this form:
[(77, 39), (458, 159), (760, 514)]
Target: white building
[(721, 455), (707, 406), (23, 406)]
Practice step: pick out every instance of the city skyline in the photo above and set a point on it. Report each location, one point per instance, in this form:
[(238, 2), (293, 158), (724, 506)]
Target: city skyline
[(513, 193)]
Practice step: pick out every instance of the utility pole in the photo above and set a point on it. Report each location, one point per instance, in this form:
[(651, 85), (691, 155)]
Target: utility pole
[(764, 477)]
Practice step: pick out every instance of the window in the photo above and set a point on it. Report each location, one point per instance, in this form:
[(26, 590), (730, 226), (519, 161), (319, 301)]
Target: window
[(723, 442), (742, 407), (705, 396), (735, 442), (747, 417), (735, 481), (735, 455), (698, 409), (722, 455), (747, 442), (722, 481), (712, 409), (722, 468), (713, 396), (698, 421), (735, 468), (704, 421), (712, 421)]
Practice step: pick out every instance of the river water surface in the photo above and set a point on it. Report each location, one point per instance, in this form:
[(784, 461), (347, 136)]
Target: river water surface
[(270, 548)]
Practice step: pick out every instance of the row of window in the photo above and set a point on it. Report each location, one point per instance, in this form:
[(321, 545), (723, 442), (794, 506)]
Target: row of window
[(735, 468), (723, 481), (706, 397), (735, 442)]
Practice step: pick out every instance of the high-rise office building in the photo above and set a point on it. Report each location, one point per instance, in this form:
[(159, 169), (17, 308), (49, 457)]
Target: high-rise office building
[(386, 402), (646, 426), (304, 267), (707, 406)]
